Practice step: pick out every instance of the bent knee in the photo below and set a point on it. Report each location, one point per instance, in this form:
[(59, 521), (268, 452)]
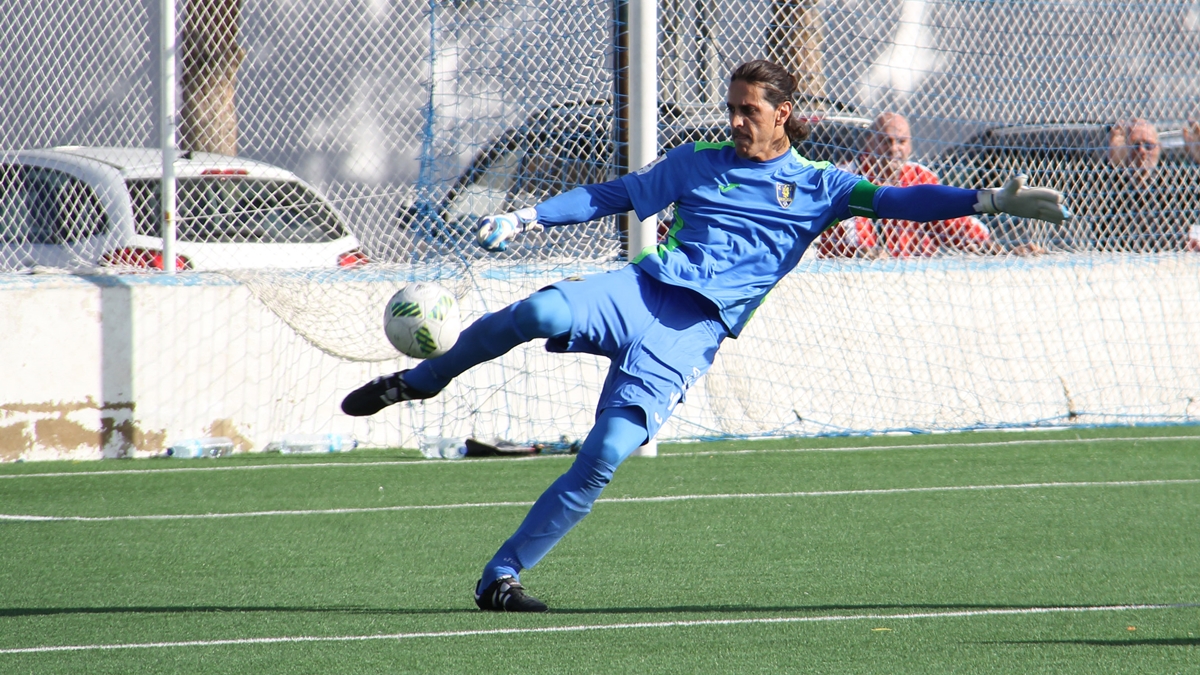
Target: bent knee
[(544, 314), (592, 472)]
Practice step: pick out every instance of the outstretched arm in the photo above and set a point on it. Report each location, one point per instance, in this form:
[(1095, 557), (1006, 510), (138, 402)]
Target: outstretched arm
[(584, 203), (924, 203), (580, 205)]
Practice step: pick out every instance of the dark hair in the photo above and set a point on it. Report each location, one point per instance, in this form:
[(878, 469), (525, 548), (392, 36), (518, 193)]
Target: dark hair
[(778, 86)]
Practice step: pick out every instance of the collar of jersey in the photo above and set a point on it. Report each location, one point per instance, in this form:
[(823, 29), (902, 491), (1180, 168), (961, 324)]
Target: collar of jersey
[(770, 164)]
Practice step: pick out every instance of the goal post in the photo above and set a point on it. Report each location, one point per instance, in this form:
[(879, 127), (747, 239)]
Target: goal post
[(643, 126)]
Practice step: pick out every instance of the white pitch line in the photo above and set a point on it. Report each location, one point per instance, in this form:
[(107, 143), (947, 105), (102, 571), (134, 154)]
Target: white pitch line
[(613, 500), (928, 446), (443, 462), (254, 467), (251, 514), (888, 491), (603, 626)]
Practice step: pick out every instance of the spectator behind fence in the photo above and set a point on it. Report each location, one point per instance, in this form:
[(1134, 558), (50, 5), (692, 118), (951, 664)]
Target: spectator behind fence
[(884, 160), (1143, 206), (1191, 176)]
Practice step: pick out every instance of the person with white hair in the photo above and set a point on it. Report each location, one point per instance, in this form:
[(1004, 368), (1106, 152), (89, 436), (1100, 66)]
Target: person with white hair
[(1141, 205)]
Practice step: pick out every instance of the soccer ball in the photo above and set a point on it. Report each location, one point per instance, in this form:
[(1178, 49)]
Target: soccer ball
[(422, 320)]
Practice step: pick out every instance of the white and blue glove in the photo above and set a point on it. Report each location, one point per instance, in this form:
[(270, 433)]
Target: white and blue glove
[(495, 231), (1023, 202)]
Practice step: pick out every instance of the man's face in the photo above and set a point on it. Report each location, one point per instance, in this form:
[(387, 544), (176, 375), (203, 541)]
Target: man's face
[(1143, 147), (1135, 147), (757, 126), (888, 146)]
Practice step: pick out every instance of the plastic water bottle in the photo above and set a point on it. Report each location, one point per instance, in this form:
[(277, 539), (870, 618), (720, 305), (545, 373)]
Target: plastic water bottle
[(213, 446), (440, 447), (564, 446), (303, 444)]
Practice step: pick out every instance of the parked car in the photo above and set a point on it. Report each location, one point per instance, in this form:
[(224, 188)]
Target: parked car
[(562, 147), (85, 207), (1069, 157), (1062, 153)]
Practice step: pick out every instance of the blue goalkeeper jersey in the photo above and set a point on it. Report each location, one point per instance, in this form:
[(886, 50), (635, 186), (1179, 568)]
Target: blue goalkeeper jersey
[(739, 225)]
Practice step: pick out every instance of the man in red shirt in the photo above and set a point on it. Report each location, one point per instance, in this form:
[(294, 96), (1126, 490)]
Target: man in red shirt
[(884, 161)]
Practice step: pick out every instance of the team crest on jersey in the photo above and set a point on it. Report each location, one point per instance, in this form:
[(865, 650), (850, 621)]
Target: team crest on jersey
[(785, 193)]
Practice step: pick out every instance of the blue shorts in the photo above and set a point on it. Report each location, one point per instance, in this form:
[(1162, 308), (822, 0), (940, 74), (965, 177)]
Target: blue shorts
[(660, 338)]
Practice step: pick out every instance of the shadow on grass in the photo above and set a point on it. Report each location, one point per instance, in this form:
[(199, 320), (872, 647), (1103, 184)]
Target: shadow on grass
[(402, 611), (219, 609), (1158, 642)]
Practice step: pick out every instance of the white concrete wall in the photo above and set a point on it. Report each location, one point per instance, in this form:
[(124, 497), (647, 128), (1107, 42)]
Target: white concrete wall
[(121, 366)]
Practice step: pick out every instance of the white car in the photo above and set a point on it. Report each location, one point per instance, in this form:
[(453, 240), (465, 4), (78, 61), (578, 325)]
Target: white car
[(77, 208)]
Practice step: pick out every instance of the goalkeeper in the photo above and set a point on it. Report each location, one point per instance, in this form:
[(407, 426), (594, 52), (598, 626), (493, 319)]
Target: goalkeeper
[(745, 211)]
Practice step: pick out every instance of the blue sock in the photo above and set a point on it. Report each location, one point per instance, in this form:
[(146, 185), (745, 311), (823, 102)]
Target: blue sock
[(618, 432), (542, 315)]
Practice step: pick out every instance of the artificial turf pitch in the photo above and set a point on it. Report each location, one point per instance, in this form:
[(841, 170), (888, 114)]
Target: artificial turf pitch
[(1058, 551)]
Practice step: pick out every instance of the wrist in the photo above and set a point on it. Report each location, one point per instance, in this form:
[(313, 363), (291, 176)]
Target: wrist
[(528, 219), (986, 201)]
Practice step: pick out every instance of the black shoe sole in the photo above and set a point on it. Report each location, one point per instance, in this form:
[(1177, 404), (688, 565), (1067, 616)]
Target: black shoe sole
[(368, 399), (364, 401), (517, 601)]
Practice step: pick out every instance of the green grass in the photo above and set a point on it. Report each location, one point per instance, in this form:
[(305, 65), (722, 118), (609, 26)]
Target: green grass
[(840, 570)]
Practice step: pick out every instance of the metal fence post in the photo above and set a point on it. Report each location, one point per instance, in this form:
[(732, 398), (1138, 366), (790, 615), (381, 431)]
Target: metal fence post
[(167, 141)]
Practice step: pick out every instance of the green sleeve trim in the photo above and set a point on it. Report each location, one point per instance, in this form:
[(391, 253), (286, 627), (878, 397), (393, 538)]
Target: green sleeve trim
[(819, 166), (669, 245), (709, 145), (862, 198), (649, 250)]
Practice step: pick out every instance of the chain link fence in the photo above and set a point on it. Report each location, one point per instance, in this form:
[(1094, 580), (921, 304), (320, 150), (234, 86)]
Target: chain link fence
[(412, 119), (333, 150)]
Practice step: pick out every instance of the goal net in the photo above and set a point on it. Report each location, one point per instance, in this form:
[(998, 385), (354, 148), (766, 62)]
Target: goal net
[(321, 135)]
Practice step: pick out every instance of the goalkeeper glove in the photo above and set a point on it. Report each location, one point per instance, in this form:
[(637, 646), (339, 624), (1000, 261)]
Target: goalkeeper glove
[(1016, 199), (495, 231)]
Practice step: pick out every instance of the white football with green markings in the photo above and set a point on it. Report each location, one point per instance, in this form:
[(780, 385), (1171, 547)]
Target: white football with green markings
[(422, 320)]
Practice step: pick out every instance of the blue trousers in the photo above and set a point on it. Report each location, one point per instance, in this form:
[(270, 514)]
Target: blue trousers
[(617, 433), (660, 339)]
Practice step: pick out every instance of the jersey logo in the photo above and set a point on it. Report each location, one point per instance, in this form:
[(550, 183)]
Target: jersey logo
[(726, 187), (785, 193)]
